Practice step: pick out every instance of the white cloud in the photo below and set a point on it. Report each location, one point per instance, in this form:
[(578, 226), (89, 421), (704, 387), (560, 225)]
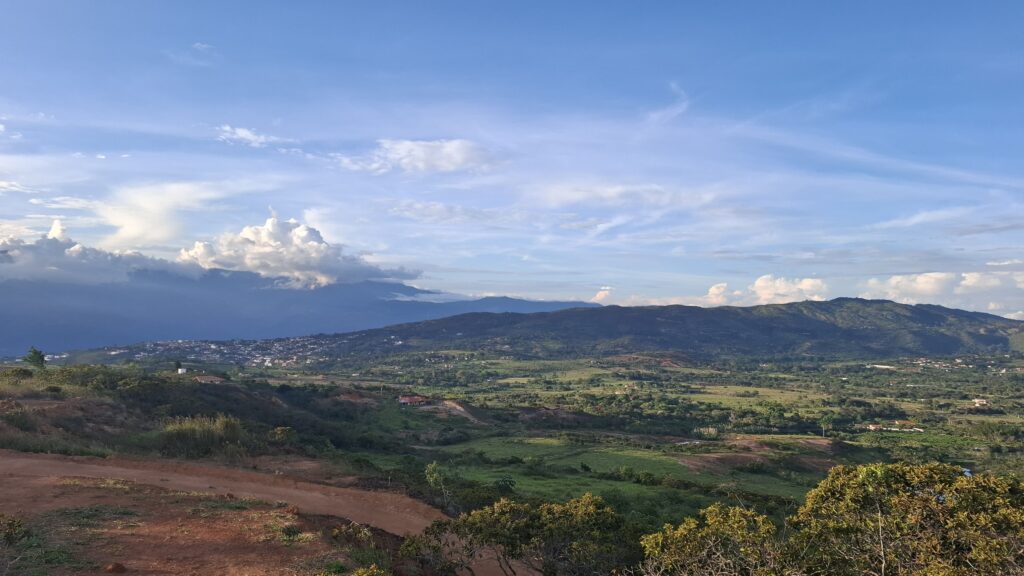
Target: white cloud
[(717, 295), (768, 289), (602, 295), (418, 156), (149, 214), (438, 212), (56, 257), (622, 194), (911, 288), (11, 186), (285, 249), (926, 217), (244, 136), (977, 282), (989, 291), (1009, 262), (672, 111), (64, 203)]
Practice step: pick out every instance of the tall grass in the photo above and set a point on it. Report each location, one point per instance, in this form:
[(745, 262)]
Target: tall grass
[(198, 436)]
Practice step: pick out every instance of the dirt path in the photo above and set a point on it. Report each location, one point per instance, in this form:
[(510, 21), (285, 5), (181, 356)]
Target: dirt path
[(387, 511)]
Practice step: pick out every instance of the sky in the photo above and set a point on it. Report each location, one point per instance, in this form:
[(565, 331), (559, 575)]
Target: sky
[(621, 152)]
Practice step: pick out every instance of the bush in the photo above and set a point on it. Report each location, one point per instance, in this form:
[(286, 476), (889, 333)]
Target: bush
[(198, 436), (21, 419), (16, 373), (12, 530)]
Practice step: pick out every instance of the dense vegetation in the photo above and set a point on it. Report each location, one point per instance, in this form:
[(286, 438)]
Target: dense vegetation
[(896, 520), (652, 463)]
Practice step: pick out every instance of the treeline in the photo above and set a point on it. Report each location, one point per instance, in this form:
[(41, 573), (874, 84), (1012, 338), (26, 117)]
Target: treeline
[(878, 519)]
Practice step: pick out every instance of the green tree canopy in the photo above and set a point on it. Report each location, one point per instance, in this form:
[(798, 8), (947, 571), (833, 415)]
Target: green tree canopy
[(35, 358)]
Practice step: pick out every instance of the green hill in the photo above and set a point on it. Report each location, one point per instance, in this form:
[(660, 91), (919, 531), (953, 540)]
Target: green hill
[(843, 328)]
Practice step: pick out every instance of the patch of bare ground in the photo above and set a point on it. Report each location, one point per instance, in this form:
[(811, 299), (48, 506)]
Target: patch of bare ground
[(451, 408), (200, 519), (720, 463), (157, 531)]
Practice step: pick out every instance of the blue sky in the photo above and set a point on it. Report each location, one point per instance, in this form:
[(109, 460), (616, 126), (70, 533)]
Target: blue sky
[(656, 152)]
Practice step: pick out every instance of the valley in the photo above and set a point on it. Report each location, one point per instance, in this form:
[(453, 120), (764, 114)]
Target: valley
[(657, 435)]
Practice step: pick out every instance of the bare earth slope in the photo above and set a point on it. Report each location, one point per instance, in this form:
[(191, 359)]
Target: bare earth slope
[(387, 511)]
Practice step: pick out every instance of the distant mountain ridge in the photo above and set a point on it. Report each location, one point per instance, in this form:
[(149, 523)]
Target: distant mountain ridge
[(844, 328), (217, 305)]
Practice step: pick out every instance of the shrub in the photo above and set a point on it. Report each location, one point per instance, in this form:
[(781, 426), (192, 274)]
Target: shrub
[(372, 570), (198, 436), (21, 419), (16, 373), (12, 530)]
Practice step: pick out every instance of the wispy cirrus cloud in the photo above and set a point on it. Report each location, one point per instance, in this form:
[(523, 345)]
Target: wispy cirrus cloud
[(927, 217), (198, 54), (418, 156), (245, 136)]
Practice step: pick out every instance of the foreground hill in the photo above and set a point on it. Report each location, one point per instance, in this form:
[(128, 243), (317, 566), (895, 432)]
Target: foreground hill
[(840, 328)]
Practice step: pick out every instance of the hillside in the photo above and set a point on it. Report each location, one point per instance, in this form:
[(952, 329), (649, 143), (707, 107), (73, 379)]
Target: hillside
[(844, 327), (840, 328)]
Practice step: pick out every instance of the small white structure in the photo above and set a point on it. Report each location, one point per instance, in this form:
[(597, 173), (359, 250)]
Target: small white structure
[(182, 370)]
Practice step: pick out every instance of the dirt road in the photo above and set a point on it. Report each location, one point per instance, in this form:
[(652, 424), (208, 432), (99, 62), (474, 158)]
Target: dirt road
[(387, 511)]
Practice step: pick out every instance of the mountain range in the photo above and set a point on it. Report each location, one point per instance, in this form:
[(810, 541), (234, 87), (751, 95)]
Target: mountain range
[(844, 328), (217, 305)]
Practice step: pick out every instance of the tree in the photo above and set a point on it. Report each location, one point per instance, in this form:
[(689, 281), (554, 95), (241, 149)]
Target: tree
[(583, 536), (827, 422), (729, 541), (436, 480), (35, 358), (903, 520)]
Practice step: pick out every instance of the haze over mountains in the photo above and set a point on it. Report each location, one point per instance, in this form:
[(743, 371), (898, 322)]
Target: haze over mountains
[(217, 305), (844, 328)]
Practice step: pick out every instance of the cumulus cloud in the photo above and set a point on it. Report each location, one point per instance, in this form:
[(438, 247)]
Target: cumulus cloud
[(286, 249), (244, 136), (995, 291), (421, 156), (56, 257), (766, 289), (911, 288), (769, 289), (602, 295)]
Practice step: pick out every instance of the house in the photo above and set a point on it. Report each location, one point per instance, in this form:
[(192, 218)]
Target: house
[(413, 400), (208, 379), (979, 402), (182, 370)]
